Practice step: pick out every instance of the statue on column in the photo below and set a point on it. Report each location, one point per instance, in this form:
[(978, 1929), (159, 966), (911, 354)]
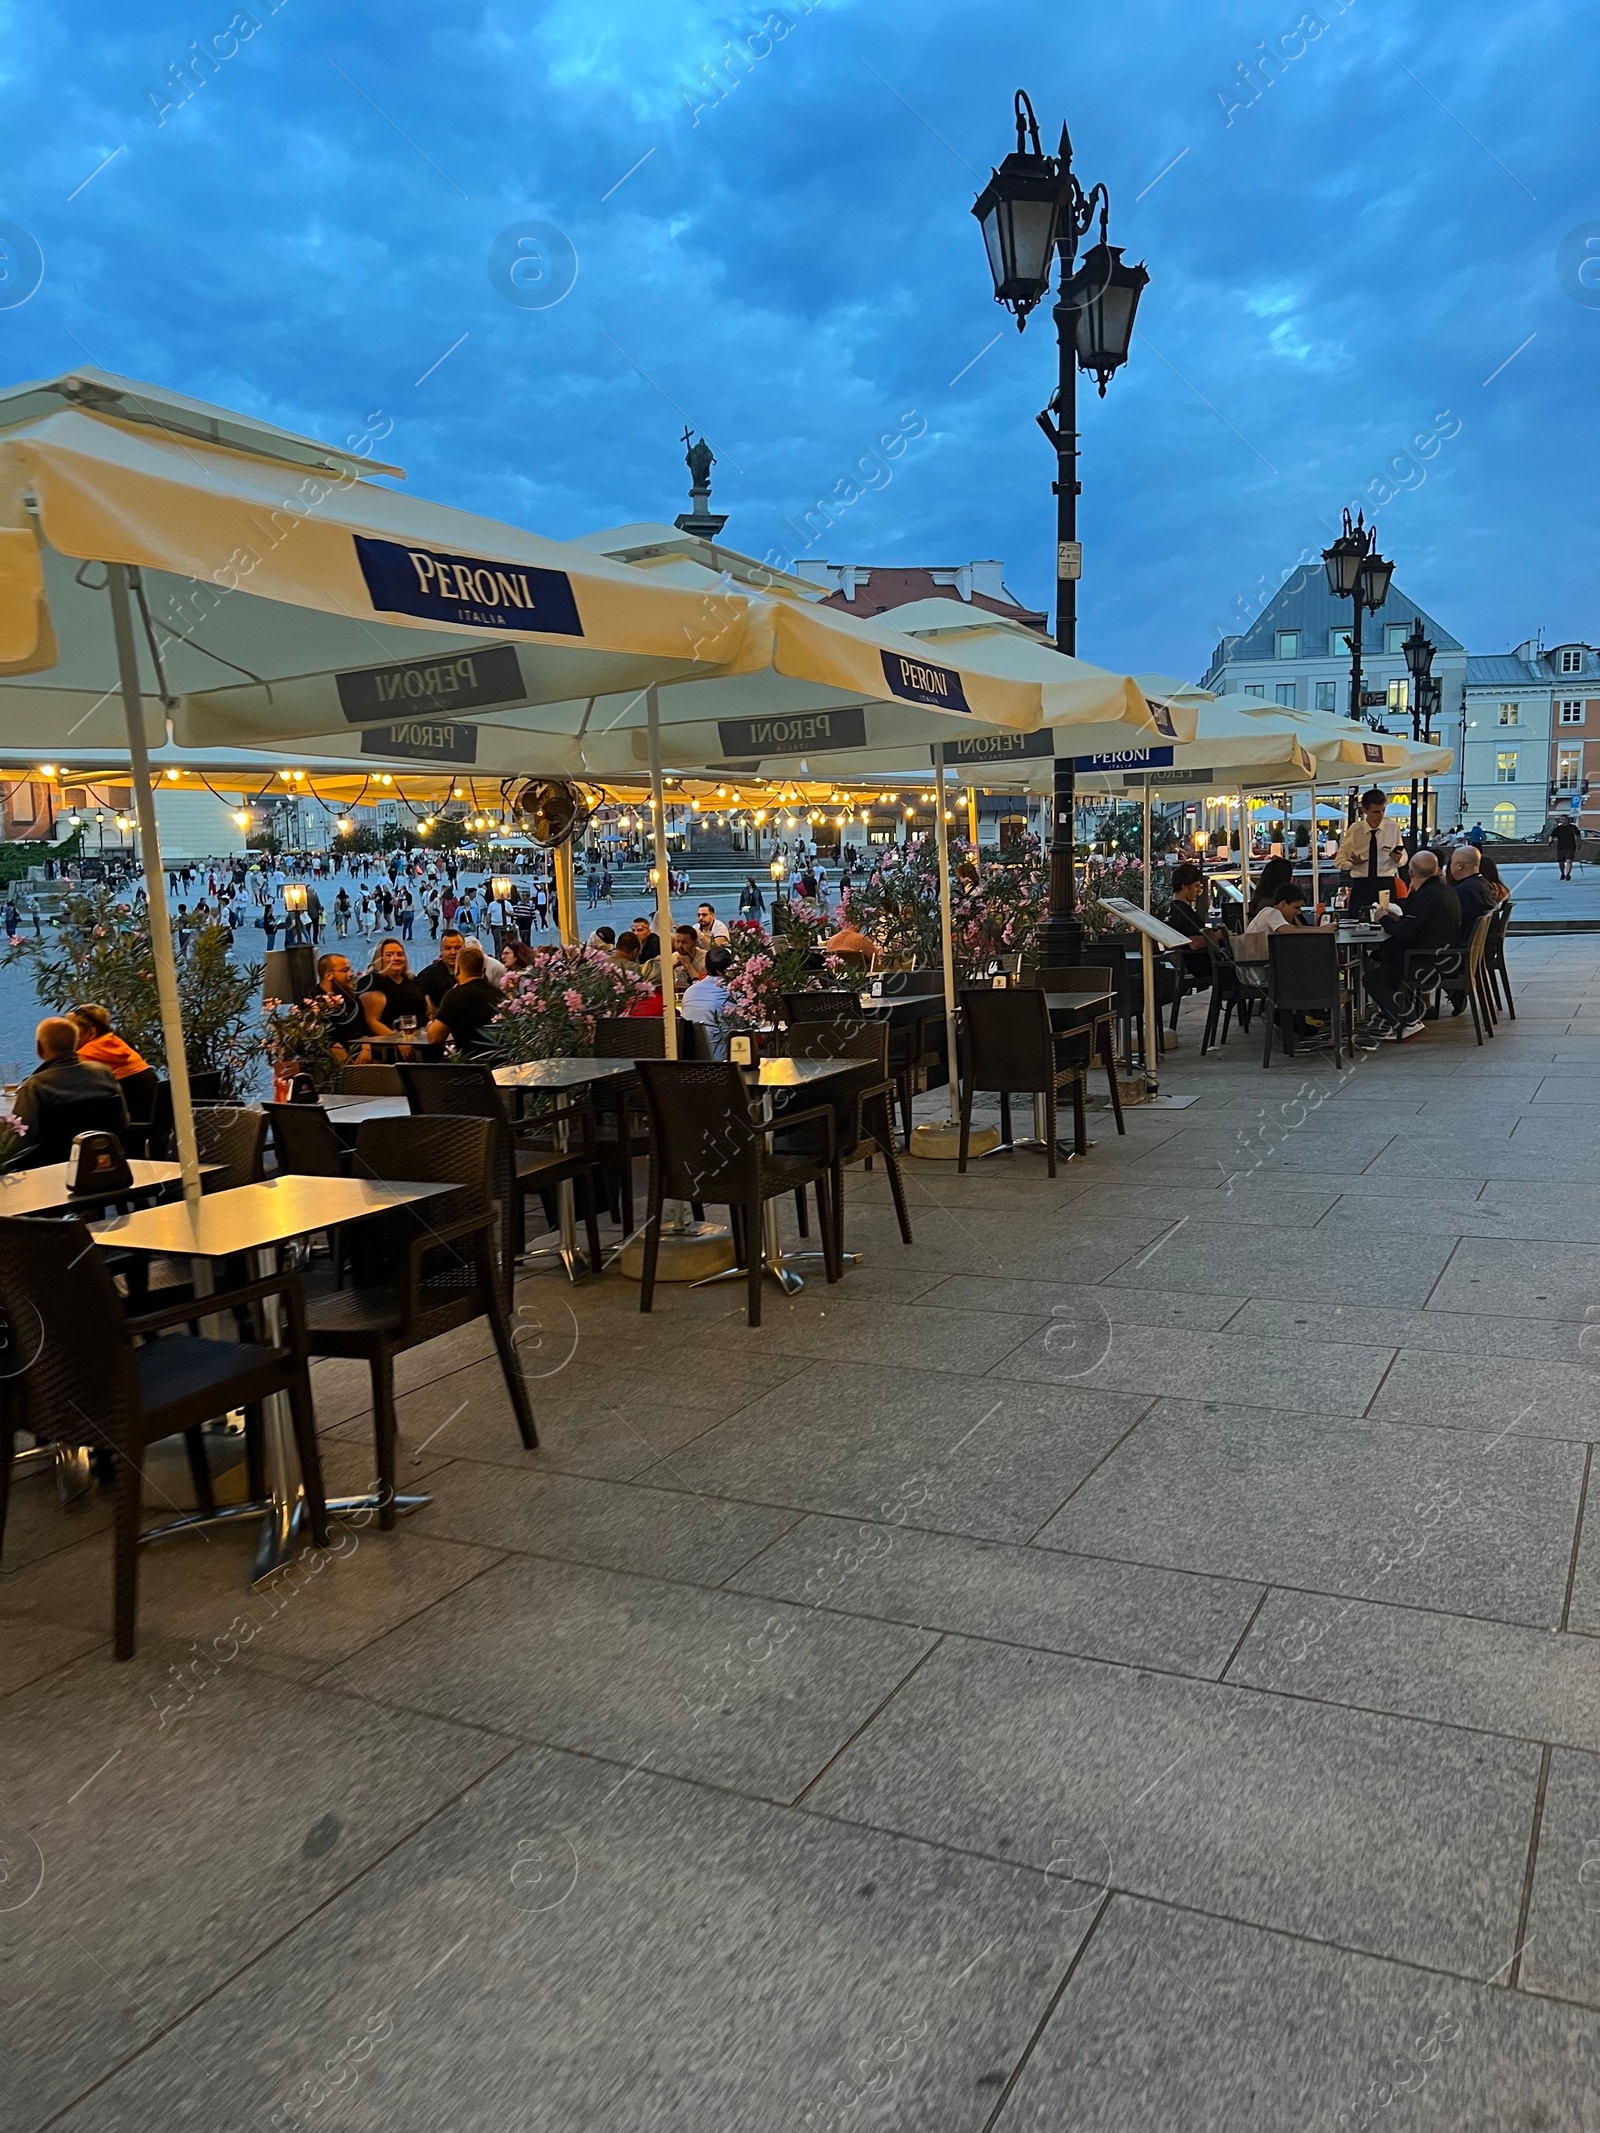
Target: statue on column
[(700, 520)]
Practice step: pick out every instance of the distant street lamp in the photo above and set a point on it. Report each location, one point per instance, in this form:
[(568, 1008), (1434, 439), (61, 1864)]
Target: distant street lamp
[(1357, 573), (1424, 700), (1031, 210)]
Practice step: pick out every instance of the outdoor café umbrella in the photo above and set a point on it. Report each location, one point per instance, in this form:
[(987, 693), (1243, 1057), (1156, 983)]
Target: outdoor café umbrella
[(133, 519)]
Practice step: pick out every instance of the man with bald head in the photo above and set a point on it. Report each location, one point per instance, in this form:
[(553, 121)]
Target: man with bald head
[(1427, 923), (61, 1077)]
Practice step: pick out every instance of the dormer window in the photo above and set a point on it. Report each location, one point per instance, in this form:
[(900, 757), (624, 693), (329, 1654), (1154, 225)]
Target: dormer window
[(1572, 661), (1288, 644)]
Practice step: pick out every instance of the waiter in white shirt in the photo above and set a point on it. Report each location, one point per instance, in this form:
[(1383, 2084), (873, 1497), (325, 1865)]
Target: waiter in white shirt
[(1371, 851)]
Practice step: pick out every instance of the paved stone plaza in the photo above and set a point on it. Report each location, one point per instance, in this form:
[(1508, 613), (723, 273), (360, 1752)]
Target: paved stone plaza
[(1126, 1661)]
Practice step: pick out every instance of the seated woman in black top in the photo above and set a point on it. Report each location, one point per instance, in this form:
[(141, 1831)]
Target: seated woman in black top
[(389, 991), (467, 1009)]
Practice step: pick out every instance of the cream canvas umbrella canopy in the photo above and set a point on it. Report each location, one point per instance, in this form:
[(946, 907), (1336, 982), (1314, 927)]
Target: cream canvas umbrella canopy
[(232, 550)]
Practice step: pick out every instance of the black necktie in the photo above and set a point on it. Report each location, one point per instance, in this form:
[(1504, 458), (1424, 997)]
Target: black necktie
[(1372, 855)]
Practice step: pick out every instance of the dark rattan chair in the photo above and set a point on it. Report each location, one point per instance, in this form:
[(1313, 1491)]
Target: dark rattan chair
[(77, 1377), (1494, 958), (708, 1144), (234, 1137), (863, 1107), (1101, 1036), (304, 1142), (420, 1271), (1235, 991), (466, 1088), (1011, 1049), (368, 1081), (1304, 978), (59, 1125)]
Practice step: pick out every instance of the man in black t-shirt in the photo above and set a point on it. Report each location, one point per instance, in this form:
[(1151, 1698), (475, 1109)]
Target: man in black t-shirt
[(437, 979), (347, 1023), (467, 1008)]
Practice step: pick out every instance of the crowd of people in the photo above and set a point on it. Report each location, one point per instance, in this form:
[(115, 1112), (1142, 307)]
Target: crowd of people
[(1427, 906)]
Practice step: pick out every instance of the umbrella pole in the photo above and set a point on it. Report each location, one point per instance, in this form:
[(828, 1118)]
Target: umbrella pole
[(1244, 849), (1152, 1027), (658, 812), (155, 880), (947, 946), (1316, 863), (566, 895), (940, 1139)]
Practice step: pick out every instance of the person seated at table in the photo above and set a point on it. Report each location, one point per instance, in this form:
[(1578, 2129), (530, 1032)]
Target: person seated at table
[(1489, 869), (437, 977), (1284, 910), (707, 998), (1428, 924), (1269, 883), (61, 1077), (850, 940), (464, 1014), (101, 1046), (347, 1020), (1473, 892), (389, 992), (1186, 913), (649, 943), (1371, 852), (603, 937), (688, 961), (711, 928), (516, 955)]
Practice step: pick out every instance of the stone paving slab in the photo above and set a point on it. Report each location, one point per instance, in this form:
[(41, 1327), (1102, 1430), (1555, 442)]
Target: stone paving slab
[(738, 1691), (1371, 1832), (1496, 1676), (1033, 1596), (1179, 2024), (576, 1945), (958, 1455), (1423, 1517)]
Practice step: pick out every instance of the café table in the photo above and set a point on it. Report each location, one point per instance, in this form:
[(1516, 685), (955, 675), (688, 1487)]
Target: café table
[(1071, 1007), (253, 1221), (795, 1076), (346, 1111), (554, 1077)]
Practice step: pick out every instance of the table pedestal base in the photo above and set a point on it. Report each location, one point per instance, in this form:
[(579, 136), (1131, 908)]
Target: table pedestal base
[(939, 1141), (695, 1252)]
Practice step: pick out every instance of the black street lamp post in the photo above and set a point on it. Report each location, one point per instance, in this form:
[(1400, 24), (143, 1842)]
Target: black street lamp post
[(1357, 573), (1424, 699), (1032, 209)]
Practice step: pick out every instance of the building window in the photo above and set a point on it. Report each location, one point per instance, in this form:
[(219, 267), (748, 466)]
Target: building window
[(1569, 769), (1394, 636), (1285, 693), (1572, 710), (1327, 693), (1254, 688), (1505, 818), (1510, 714), (1288, 644), (1572, 662), (1338, 644), (1400, 694), (1505, 767)]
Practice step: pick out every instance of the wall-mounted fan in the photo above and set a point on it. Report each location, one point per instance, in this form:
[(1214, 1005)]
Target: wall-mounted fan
[(552, 811)]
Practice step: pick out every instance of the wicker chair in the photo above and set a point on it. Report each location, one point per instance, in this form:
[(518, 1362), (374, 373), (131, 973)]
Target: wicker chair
[(1098, 1034), (81, 1380), (466, 1088), (706, 1144), (419, 1271), (863, 1107), (1012, 1049), (305, 1143)]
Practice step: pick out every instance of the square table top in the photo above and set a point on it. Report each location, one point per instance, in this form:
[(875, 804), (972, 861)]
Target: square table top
[(801, 1073), (44, 1190), (251, 1217), (560, 1073), (351, 1110)]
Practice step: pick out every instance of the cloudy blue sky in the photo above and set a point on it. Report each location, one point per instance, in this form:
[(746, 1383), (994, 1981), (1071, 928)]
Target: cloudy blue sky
[(1368, 253)]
